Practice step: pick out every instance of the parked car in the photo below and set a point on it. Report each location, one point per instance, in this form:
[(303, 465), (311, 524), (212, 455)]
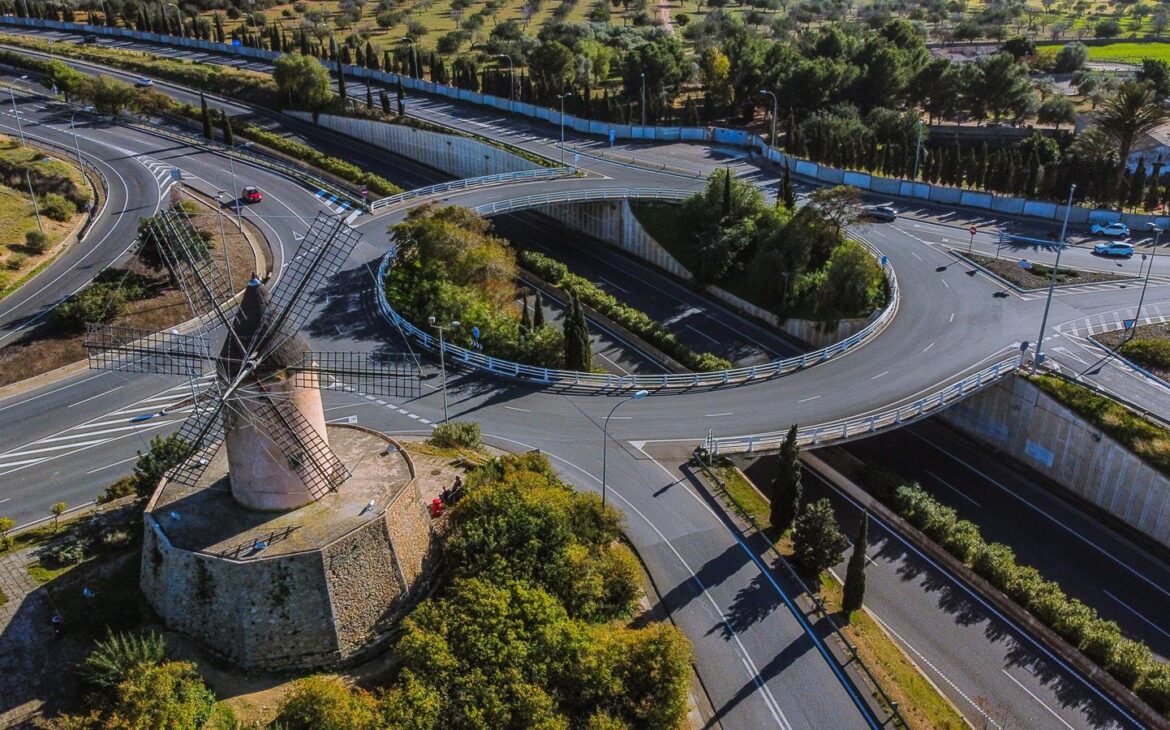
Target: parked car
[(880, 213), (90, 38), (1113, 230), (252, 195), (143, 82), (1116, 248)]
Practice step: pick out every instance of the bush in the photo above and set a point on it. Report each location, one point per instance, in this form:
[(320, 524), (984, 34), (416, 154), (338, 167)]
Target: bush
[(324, 703), (63, 554), (15, 261), (112, 658), (94, 303), (36, 241), (455, 435), (1148, 352), (57, 207), (124, 487)]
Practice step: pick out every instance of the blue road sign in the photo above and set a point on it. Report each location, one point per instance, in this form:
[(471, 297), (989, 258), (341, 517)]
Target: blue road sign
[(1128, 323), (612, 137), (236, 42), (475, 332)]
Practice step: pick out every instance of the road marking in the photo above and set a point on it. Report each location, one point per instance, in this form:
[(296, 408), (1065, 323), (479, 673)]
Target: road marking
[(952, 319), (689, 311), (1134, 611), (944, 282), (702, 334), (521, 410), (610, 283), (1042, 703), (716, 415), (107, 466), (915, 255), (806, 400), (92, 397), (879, 375), (928, 347), (956, 490)]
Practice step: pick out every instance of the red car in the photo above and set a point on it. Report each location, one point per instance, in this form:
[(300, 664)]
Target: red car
[(252, 195)]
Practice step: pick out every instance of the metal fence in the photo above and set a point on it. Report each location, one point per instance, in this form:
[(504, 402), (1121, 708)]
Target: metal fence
[(852, 428), (734, 376), (543, 173)]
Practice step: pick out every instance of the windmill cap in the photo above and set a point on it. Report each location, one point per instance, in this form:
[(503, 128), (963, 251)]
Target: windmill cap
[(254, 281)]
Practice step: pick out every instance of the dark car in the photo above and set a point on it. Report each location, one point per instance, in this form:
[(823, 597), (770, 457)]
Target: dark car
[(882, 213), (90, 38)]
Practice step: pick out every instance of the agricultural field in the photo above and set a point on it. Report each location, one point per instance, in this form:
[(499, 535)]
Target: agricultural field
[(1133, 53)]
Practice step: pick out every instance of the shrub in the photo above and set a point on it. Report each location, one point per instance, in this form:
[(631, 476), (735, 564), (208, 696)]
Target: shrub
[(1100, 640), (1155, 687), (115, 539), (113, 657), (1155, 353), (36, 241), (62, 554), (455, 435), (57, 207), (15, 261), (124, 487), (324, 703), (997, 563), (94, 303), (964, 541)]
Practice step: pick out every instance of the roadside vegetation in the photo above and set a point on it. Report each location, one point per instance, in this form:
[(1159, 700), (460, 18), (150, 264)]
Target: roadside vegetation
[(1037, 276), (61, 194), (1150, 441), (793, 262)]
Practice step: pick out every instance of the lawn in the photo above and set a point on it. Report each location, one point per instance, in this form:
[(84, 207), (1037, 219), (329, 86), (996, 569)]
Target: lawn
[(1130, 52), (17, 216)]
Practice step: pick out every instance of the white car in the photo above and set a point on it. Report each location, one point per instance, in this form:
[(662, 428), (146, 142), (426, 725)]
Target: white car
[(143, 82), (1112, 230)]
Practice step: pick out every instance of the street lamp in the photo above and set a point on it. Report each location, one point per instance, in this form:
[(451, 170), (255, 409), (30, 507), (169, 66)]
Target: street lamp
[(51, 42), (1052, 282), (775, 108), (605, 436), (562, 98), (511, 76), (414, 56), (442, 358), (73, 128), (1138, 315), (16, 113), (222, 237), (643, 106), (917, 147), (33, 197), (179, 14)]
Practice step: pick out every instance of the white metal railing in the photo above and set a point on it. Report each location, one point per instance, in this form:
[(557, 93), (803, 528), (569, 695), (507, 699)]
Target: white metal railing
[(734, 376), (543, 173), (850, 428)]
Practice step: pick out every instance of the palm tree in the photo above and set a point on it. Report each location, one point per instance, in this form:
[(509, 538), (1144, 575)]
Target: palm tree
[(1134, 110)]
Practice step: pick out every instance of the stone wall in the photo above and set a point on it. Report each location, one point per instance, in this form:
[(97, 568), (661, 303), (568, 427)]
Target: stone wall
[(1032, 427), (450, 153)]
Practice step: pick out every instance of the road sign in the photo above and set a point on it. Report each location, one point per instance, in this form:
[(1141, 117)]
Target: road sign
[(1025, 264), (236, 42), (612, 137), (1128, 323), (176, 174), (365, 191), (972, 230)]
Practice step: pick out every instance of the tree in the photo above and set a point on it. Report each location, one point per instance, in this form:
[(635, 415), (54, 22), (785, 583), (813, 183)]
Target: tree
[(817, 540), (57, 510), (1070, 58), (6, 525), (1019, 46), (839, 205), (164, 453), (538, 311), (229, 136), (1156, 73), (341, 90), (67, 79), (1131, 112), (205, 117), (998, 84), (324, 703), (401, 100), (303, 80), (578, 350), (854, 591), (789, 192), (551, 67), (1057, 110), (853, 280), (786, 486), (108, 94), (112, 658), (525, 319)]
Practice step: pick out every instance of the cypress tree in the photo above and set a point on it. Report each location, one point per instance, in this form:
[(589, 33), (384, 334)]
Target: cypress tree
[(525, 320), (401, 99), (538, 311), (341, 82), (578, 354), (205, 116), (387, 61), (229, 136), (1151, 200), (346, 56), (384, 98), (1033, 175), (854, 591), (786, 487), (1137, 185), (369, 96), (789, 192), (726, 193), (371, 57), (219, 34)]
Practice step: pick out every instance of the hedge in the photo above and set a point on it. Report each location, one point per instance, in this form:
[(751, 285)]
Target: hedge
[(1130, 662), (1151, 352), (634, 320)]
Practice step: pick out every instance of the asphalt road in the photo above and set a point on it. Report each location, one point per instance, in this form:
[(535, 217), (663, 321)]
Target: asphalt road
[(951, 322)]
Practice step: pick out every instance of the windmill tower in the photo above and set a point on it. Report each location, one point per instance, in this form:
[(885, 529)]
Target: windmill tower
[(242, 549)]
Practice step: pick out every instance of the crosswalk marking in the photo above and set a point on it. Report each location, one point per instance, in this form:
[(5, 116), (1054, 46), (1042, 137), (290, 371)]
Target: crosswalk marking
[(337, 205)]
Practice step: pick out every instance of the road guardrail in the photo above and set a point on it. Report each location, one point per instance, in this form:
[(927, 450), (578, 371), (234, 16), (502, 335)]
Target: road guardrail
[(543, 173), (609, 381), (851, 428)]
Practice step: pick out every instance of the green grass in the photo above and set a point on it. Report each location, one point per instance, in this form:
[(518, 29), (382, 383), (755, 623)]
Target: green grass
[(1148, 440), (3, 598), (1130, 52), (743, 493), (43, 575), (1148, 352)]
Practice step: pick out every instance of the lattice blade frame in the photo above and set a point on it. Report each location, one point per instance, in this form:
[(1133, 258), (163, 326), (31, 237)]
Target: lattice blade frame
[(203, 283), (320, 470), (135, 350), (321, 254), (393, 374), (203, 432)]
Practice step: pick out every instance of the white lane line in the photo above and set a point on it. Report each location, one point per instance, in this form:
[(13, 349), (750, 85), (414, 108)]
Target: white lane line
[(944, 282), (94, 397), (1134, 611), (879, 375), (610, 283), (954, 489), (952, 319), (70, 437), (702, 334), (928, 347), (716, 415), (689, 311), (24, 401), (915, 255), (1042, 702), (521, 410), (806, 400), (107, 466)]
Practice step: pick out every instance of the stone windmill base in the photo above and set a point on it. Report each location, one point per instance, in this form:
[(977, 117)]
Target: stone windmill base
[(319, 586)]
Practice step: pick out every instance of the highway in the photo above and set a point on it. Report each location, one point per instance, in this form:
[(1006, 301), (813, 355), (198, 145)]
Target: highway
[(74, 437)]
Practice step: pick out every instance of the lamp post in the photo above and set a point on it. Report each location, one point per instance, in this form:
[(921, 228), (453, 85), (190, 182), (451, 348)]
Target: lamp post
[(643, 105), (1138, 315), (1052, 282), (16, 113), (32, 196), (562, 98), (51, 56), (511, 76), (442, 359), (73, 128), (222, 237), (414, 57), (917, 147), (605, 436), (775, 109)]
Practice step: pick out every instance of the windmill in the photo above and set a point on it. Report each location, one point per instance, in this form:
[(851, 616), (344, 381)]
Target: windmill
[(263, 400)]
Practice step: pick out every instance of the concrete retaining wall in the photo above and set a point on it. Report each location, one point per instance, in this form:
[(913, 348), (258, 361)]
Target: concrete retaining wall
[(1029, 425), (455, 155)]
